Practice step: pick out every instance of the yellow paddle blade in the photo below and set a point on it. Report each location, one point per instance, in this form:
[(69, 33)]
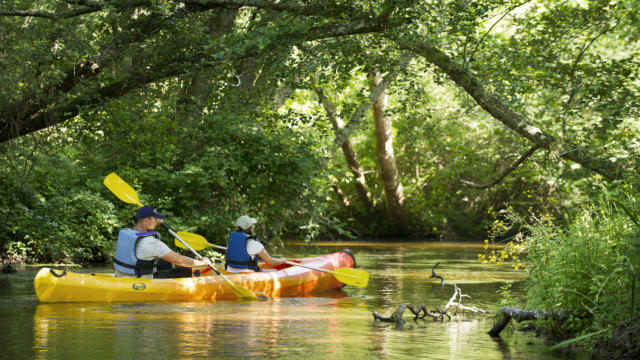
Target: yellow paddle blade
[(197, 242), (351, 276), (121, 189), (241, 292)]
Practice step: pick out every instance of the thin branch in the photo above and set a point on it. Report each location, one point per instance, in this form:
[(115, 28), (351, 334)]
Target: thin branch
[(50, 15), (83, 7), (434, 275), (504, 174), (575, 84), (504, 14), (297, 7), (572, 151)]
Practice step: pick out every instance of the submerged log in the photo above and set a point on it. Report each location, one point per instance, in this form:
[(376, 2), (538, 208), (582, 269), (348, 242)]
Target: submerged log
[(396, 317), (519, 315), (421, 311)]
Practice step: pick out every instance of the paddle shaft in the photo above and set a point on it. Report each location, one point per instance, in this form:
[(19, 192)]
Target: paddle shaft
[(170, 230), (286, 262), (224, 248), (218, 247), (308, 267)]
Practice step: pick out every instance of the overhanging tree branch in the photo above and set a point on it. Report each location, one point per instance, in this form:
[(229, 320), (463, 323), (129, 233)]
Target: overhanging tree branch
[(92, 98), (50, 15), (49, 113), (16, 113), (84, 7), (490, 103)]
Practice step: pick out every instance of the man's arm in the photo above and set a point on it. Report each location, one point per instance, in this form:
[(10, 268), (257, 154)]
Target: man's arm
[(185, 261)]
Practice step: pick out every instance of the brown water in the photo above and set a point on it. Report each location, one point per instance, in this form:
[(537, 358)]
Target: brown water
[(334, 325)]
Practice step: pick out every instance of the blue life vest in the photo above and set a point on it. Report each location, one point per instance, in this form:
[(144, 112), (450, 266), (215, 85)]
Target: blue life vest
[(237, 255), (125, 260)]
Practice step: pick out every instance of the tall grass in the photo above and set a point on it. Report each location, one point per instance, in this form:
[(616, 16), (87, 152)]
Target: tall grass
[(587, 263)]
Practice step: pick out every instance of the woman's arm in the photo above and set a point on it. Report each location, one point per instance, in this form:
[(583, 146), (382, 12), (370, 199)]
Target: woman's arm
[(264, 255)]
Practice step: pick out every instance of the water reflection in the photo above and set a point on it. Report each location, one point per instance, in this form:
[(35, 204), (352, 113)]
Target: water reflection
[(189, 330)]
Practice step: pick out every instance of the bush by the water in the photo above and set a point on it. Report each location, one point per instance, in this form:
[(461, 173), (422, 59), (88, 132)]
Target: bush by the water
[(589, 264)]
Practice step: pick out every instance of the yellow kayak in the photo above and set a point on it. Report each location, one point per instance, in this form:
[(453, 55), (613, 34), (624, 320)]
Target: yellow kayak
[(64, 286)]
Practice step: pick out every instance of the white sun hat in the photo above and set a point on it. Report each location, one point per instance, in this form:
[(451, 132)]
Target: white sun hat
[(245, 222)]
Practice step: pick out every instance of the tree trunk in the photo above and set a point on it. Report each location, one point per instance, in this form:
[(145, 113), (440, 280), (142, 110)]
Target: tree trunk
[(195, 95), (349, 153), (398, 223)]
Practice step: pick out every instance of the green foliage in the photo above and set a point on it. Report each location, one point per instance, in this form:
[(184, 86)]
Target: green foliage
[(506, 297), (185, 102), (62, 219), (582, 266), (182, 106)]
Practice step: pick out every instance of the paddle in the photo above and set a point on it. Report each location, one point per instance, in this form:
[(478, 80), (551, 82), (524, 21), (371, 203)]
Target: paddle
[(126, 193), (239, 290), (349, 276), (121, 189), (198, 242)]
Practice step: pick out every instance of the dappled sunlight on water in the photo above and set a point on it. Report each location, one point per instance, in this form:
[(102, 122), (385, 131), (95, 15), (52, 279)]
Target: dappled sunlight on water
[(332, 325)]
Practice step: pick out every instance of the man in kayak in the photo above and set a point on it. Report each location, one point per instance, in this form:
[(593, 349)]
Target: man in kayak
[(244, 249), (140, 253)]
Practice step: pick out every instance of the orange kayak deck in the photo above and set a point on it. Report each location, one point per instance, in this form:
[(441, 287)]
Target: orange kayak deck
[(61, 286)]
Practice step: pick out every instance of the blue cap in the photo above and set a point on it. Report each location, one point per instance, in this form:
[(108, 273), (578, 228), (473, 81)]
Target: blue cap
[(148, 211)]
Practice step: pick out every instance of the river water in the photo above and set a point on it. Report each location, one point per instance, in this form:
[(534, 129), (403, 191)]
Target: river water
[(334, 325)]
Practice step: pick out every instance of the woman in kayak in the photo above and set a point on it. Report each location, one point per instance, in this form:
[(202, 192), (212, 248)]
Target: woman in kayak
[(139, 251), (244, 249)]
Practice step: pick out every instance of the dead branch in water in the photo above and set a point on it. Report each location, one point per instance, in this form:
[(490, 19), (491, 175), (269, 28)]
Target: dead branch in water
[(436, 314), (458, 305), (434, 275)]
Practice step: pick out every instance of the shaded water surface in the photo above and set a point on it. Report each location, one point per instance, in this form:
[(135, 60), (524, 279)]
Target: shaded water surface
[(334, 325)]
